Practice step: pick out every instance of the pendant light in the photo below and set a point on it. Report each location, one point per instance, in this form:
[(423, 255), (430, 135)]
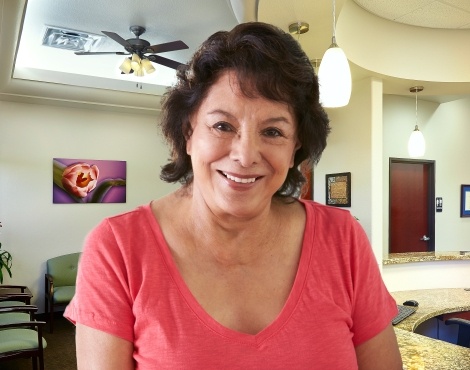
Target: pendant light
[(334, 74), (416, 143)]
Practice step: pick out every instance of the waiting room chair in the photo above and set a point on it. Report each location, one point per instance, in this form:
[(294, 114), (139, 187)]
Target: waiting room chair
[(61, 273), (14, 295), (21, 339), (463, 338), (12, 314), (13, 288)]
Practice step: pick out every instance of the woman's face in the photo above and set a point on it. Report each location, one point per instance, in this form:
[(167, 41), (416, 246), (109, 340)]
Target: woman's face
[(241, 149)]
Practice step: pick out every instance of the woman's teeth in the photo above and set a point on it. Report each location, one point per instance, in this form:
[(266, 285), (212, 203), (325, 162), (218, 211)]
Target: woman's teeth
[(237, 179)]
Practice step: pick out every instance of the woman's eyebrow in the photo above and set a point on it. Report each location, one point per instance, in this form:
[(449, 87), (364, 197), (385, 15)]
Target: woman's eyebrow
[(269, 120)]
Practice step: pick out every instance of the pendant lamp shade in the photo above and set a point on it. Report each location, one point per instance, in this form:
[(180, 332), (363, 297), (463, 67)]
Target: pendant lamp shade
[(334, 77), (416, 142)]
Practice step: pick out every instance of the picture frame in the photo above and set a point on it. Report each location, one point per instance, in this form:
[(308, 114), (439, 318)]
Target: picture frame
[(465, 201), (338, 189)]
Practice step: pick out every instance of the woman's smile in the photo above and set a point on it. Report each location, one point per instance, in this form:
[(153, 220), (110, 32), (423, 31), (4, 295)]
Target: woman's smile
[(249, 142)]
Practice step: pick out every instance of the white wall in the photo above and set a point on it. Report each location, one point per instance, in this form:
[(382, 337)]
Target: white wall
[(427, 275), (354, 145), (446, 128), (34, 229)]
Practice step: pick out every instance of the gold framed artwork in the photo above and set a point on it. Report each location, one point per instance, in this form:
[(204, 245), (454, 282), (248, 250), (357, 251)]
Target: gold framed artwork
[(338, 189)]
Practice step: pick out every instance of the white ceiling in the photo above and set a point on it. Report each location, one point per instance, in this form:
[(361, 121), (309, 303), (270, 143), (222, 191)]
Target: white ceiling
[(48, 75)]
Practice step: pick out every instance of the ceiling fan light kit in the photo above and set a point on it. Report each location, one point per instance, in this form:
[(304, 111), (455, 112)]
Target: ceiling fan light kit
[(140, 63)]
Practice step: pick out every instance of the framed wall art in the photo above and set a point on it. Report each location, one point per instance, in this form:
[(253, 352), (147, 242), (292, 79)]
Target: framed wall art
[(88, 181), (465, 201), (338, 189)]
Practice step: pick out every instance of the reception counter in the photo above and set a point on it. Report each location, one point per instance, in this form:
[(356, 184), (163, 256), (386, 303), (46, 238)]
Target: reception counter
[(420, 352), (398, 258)]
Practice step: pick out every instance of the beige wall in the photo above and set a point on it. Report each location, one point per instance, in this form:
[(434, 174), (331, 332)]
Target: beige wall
[(34, 229)]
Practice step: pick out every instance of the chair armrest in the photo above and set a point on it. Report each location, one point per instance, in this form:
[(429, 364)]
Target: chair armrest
[(49, 285), (458, 321), (23, 324), (22, 297), (18, 296), (24, 308), (21, 287)]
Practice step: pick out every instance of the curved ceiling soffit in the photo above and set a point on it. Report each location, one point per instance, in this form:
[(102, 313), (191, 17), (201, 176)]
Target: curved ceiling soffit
[(400, 50), (245, 10)]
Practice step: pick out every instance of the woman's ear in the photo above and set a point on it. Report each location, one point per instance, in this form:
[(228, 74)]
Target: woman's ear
[(297, 147), (188, 132)]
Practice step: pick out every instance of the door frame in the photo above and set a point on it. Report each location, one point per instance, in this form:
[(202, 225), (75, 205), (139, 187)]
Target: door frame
[(431, 216)]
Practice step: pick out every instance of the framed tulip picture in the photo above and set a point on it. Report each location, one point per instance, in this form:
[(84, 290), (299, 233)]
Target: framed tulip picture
[(88, 181)]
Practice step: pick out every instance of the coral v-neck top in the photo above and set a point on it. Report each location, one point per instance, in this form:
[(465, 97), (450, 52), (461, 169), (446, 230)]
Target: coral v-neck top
[(129, 286)]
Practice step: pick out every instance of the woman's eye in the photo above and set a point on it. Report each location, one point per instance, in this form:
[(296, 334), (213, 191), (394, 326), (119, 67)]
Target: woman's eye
[(272, 132), (223, 126)]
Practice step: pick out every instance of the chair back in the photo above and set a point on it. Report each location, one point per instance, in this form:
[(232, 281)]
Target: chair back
[(63, 269)]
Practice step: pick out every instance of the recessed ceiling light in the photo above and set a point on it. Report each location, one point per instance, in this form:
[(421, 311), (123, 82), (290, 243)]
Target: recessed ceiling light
[(67, 39)]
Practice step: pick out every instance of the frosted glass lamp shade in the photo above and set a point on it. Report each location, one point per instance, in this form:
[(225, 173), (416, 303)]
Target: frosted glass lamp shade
[(334, 77), (416, 143), (147, 65), (135, 63), (126, 66)]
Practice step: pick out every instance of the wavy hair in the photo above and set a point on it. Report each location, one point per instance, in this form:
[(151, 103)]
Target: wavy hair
[(268, 62)]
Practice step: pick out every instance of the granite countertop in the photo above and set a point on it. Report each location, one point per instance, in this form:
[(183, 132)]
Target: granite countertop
[(432, 303), (396, 258), (420, 352)]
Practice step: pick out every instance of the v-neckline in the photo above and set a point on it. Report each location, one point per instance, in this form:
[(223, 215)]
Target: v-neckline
[(281, 319)]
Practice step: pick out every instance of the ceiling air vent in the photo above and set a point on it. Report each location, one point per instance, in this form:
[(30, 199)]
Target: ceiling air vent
[(62, 38)]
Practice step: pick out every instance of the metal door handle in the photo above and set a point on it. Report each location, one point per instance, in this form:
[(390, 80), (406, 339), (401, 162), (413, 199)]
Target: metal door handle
[(425, 238)]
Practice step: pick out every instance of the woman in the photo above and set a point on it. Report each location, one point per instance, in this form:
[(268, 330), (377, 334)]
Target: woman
[(231, 271)]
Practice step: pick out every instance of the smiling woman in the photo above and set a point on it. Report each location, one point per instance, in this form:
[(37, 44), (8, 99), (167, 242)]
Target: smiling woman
[(230, 270)]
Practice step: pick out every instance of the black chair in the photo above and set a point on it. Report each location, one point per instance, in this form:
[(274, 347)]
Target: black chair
[(463, 338)]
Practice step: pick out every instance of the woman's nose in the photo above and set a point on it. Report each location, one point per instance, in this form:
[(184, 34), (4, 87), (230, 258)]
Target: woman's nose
[(246, 149)]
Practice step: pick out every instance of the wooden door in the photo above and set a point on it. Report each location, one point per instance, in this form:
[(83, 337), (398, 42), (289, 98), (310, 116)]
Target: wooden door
[(411, 206)]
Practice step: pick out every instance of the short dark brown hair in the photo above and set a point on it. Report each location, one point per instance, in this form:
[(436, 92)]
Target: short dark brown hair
[(269, 63)]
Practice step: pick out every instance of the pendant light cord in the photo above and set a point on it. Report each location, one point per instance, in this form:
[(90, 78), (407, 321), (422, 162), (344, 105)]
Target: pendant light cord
[(333, 38), (334, 23), (416, 94)]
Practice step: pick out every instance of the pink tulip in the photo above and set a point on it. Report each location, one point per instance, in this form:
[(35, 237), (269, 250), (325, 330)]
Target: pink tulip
[(80, 178)]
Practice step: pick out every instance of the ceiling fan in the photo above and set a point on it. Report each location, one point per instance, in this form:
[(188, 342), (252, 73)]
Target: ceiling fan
[(139, 49)]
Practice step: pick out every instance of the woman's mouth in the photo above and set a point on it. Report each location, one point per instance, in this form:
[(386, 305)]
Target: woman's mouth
[(239, 179)]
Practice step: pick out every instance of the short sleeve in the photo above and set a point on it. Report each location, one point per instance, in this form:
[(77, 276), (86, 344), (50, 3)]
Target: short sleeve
[(373, 306), (102, 300)]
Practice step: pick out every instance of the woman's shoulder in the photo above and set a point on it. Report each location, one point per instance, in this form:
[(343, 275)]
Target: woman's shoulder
[(322, 211)]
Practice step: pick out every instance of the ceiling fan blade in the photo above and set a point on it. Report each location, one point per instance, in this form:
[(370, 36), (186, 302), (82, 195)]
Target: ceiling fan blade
[(100, 52), (168, 46), (117, 38), (164, 61)]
